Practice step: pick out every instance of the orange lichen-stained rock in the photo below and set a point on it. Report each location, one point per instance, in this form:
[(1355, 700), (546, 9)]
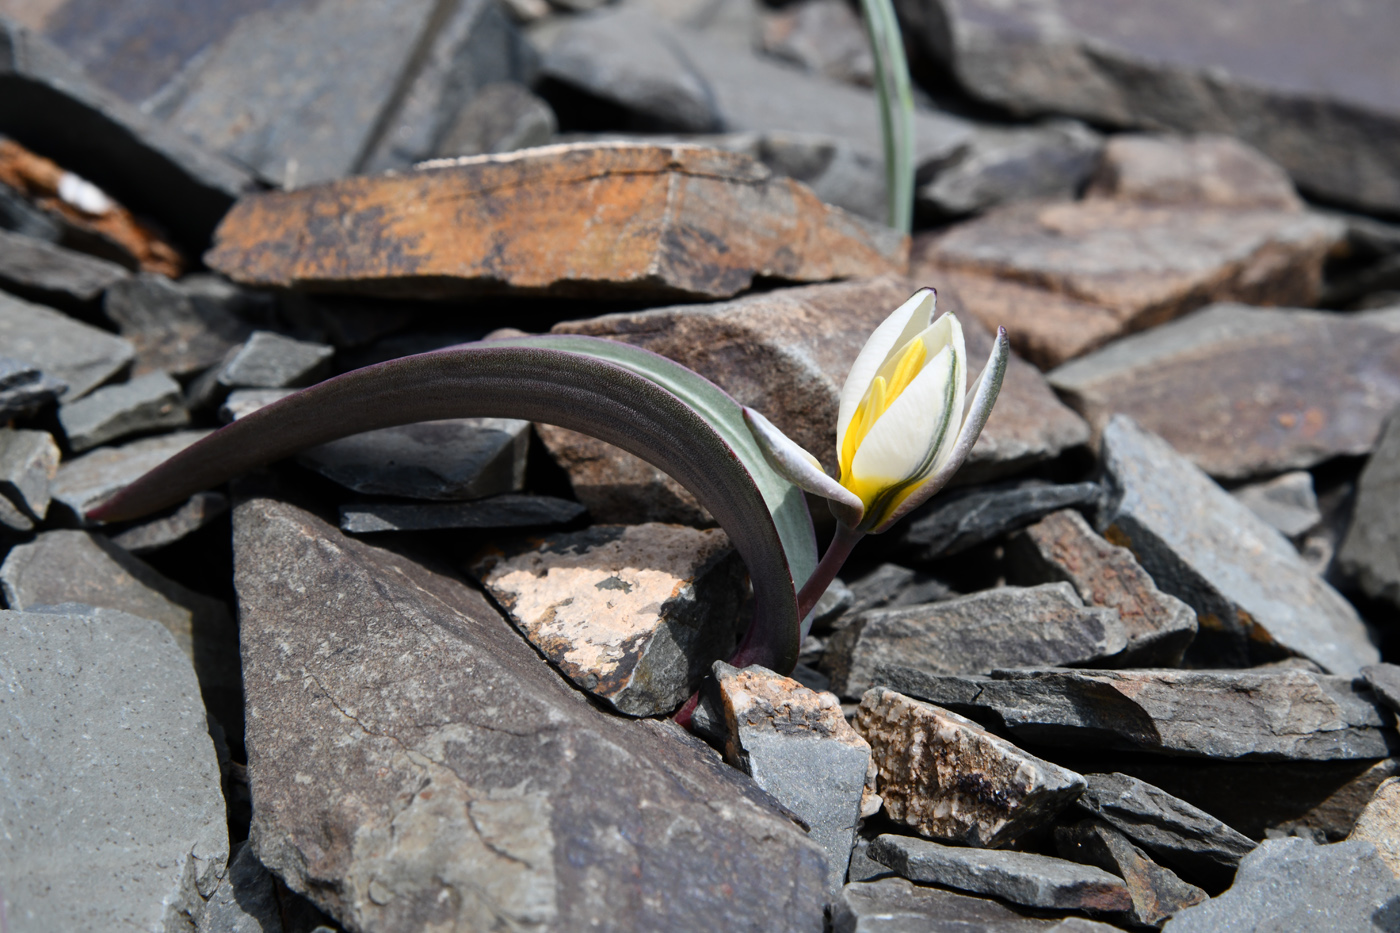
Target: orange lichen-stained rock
[(595, 219)]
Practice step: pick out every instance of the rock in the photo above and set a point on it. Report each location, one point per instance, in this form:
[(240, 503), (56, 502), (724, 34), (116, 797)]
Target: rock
[(1280, 714), (1384, 679), (147, 403), (504, 511), (797, 746), (634, 614), (826, 37), (787, 352), (64, 349), (1254, 597), (246, 899), (1208, 170), (1286, 502), (460, 458), (890, 585), (1370, 552), (48, 105), (1345, 886), (272, 361), (599, 220), (440, 752), (13, 519), (243, 402), (501, 118), (1098, 269), (1000, 165), (949, 778), (154, 534), (1157, 892), (1019, 877), (631, 58), (961, 519), (1379, 824), (113, 812), (24, 389), (1009, 626), (53, 275), (1253, 392), (181, 327), (1140, 66), (895, 905), (19, 216), (82, 482), (28, 463), (1062, 546)]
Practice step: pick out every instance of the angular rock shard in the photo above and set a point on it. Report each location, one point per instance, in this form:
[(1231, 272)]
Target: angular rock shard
[(964, 518), (581, 220), (404, 741), (64, 349), (1379, 824), (50, 274), (504, 511), (1207, 170), (1157, 893), (1370, 552), (144, 404), (28, 463), (82, 482), (896, 905), (949, 778)]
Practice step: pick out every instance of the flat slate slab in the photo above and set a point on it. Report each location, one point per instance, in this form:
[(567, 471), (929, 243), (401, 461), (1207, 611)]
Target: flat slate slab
[(1275, 714), (508, 510), (64, 349), (84, 481), (114, 817), (1245, 392), (48, 272), (181, 327), (963, 518), (1156, 891), (146, 403), (404, 741), (896, 905), (1370, 552), (604, 220)]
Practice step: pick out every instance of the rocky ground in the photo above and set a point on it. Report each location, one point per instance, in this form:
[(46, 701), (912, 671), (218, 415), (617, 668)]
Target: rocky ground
[(1131, 671)]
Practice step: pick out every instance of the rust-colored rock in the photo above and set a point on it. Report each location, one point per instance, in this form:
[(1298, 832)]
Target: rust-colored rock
[(91, 221), (1065, 278), (584, 219)]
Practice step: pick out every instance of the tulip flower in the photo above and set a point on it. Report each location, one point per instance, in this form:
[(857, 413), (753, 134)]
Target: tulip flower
[(903, 429)]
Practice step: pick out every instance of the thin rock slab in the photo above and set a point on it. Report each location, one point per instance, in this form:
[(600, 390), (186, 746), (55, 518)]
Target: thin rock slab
[(1279, 714), (113, 814), (1067, 277), (1207, 170), (897, 905), (1019, 877), (1370, 552), (414, 762), (1384, 679), (948, 778), (633, 614), (965, 518), (1062, 546), (181, 327), (1294, 886), (796, 745), (1009, 626), (508, 510), (1255, 598), (81, 356), (153, 534), (1288, 502), (28, 464), (1379, 824), (24, 388), (1157, 892), (1247, 392), (147, 403), (83, 482), (50, 274), (578, 220), (270, 360)]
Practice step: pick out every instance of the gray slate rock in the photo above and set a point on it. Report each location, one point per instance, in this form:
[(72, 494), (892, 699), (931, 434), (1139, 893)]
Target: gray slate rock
[(797, 746), (998, 165), (508, 510), (1019, 877), (28, 463), (1370, 552), (1010, 626), (1286, 502), (543, 810), (1183, 836), (1258, 599), (501, 118), (1157, 892), (461, 458), (182, 327), (13, 518), (272, 361), (243, 402), (48, 273), (113, 814), (1140, 65), (155, 533), (147, 403), (891, 585), (1276, 714), (19, 216), (83, 482), (895, 905), (825, 37), (1294, 886), (48, 105), (246, 900), (64, 349), (24, 388), (1384, 679), (965, 518)]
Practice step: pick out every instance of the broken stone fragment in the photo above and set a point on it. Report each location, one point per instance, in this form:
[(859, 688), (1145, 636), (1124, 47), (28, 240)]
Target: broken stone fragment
[(599, 220), (1157, 892), (28, 464), (1019, 877), (1206, 170), (1062, 546), (1277, 714), (1009, 626), (153, 534), (272, 361), (50, 274), (508, 510), (635, 615), (502, 117), (1379, 824), (147, 403), (1287, 502), (890, 586), (948, 778), (1370, 552), (796, 745), (897, 905), (181, 327), (1384, 679), (24, 389), (82, 482), (962, 519), (64, 349)]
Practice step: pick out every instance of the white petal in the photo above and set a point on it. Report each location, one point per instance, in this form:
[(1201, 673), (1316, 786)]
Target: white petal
[(791, 461), (901, 439), (894, 332)]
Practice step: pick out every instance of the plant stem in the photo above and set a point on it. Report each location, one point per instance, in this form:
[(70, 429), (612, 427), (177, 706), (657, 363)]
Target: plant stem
[(836, 553), (896, 99)]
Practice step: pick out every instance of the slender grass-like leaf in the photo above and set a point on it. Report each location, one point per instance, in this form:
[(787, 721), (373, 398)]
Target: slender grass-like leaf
[(896, 98)]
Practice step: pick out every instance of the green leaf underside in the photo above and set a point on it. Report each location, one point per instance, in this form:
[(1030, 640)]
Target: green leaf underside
[(643, 403)]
